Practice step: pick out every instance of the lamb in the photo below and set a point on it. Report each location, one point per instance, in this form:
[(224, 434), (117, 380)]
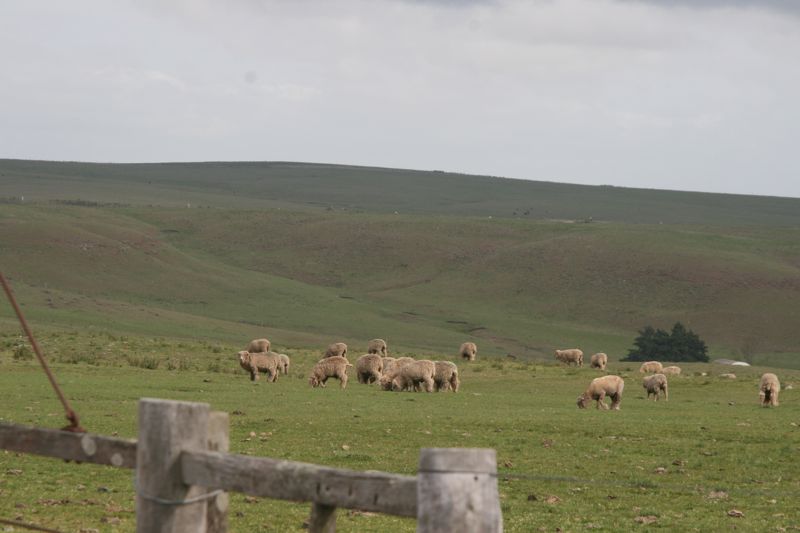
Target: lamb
[(259, 346), (260, 362), (378, 346), (386, 379), (337, 349), (469, 351), (573, 355), (329, 367), (285, 362), (601, 387), (651, 367), (769, 389), (415, 375), (599, 360), (655, 385), (445, 376), (673, 370), (369, 368)]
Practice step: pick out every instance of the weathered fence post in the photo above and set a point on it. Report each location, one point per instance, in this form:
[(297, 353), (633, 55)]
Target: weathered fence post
[(457, 491), (217, 440), (323, 518), (165, 429)]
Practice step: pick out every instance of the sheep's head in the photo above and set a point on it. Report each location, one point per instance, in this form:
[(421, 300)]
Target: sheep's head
[(244, 357), (313, 381), (583, 401)]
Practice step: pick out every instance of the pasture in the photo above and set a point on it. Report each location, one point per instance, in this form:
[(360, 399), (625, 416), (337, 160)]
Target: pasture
[(678, 465)]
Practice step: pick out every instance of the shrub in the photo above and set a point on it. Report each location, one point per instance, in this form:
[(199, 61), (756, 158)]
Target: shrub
[(656, 344), (22, 352)]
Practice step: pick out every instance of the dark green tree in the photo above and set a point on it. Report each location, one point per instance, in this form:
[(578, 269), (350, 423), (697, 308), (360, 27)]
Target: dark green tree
[(656, 344)]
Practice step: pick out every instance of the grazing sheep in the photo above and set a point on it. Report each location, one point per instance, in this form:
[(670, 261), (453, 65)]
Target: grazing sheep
[(655, 385), (259, 346), (260, 362), (769, 389), (445, 376), (573, 355), (388, 363), (651, 367), (673, 370), (329, 367), (599, 388), (285, 362), (413, 376), (369, 368), (469, 351), (378, 346), (599, 360), (389, 373), (337, 349)]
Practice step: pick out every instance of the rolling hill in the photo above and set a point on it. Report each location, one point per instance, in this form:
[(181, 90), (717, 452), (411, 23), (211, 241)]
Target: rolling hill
[(307, 254)]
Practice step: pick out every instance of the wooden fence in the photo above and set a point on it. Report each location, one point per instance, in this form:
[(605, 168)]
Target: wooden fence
[(183, 472)]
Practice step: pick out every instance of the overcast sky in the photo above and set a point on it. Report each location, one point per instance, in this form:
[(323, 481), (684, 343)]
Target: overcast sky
[(687, 94)]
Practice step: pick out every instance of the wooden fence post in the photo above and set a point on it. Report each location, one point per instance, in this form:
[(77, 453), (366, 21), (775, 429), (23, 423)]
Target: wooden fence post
[(217, 437), (457, 491), (323, 518), (165, 429)]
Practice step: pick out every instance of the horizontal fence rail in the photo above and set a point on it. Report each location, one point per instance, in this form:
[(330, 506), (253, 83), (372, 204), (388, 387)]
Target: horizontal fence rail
[(381, 492), (80, 447)]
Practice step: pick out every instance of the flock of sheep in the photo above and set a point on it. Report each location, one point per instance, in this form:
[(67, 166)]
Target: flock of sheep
[(392, 374), (408, 374), (656, 385)]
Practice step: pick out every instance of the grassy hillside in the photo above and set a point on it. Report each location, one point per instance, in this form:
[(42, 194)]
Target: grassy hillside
[(378, 190), (426, 283), (677, 463)]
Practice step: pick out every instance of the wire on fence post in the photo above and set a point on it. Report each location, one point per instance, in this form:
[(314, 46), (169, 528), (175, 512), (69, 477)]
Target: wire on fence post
[(72, 416)]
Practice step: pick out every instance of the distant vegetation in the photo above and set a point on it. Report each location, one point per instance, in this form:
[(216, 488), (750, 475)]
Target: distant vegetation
[(658, 345)]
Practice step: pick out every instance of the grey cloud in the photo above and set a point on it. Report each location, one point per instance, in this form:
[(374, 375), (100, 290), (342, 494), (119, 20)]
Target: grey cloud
[(788, 6)]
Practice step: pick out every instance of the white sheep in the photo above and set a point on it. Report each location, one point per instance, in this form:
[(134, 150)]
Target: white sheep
[(599, 360), (655, 385), (369, 368), (414, 376), (445, 376), (337, 349), (673, 370), (260, 362), (386, 379), (285, 363), (572, 355), (329, 367), (378, 346), (258, 346), (769, 389), (469, 351), (599, 388), (651, 367)]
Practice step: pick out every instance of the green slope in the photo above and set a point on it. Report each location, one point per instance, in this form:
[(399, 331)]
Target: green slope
[(378, 190), (426, 283)]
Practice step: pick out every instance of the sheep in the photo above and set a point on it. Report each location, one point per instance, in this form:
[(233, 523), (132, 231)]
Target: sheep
[(378, 346), (599, 360), (337, 349), (259, 346), (369, 368), (445, 376), (601, 387), (389, 372), (651, 367), (727, 376), (573, 355), (769, 389), (469, 351), (285, 362), (415, 375), (260, 362), (673, 370), (329, 367), (388, 363), (655, 385)]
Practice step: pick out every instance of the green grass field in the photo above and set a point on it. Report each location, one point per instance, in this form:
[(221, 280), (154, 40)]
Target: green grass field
[(560, 467)]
